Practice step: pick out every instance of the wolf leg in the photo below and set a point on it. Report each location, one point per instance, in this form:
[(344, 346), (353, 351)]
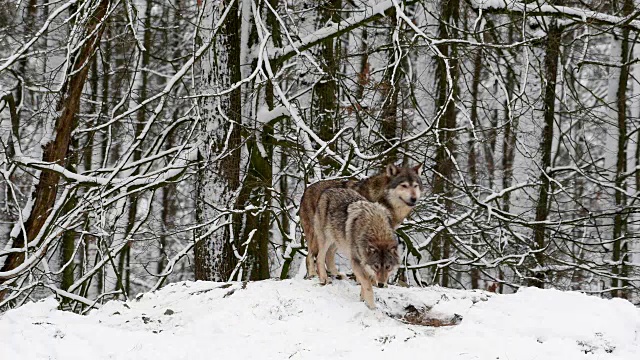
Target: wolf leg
[(321, 242), (331, 263), (311, 265), (312, 247), (366, 291), (320, 261)]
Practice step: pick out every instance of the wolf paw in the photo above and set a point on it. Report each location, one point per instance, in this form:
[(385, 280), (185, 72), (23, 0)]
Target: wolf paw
[(325, 281), (339, 276), (371, 305)]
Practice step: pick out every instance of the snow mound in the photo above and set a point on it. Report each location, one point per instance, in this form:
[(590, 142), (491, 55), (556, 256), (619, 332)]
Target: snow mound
[(298, 319)]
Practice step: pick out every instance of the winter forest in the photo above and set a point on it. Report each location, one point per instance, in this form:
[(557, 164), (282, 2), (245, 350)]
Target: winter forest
[(146, 142)]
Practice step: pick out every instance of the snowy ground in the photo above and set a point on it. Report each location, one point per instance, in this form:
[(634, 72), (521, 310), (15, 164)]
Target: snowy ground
[(298, 319)]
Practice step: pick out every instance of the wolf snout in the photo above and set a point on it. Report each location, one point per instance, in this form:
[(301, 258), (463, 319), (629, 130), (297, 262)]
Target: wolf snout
[(380, 285), (413, 200)]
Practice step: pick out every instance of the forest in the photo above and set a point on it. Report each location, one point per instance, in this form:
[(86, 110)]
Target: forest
[(145, 142)]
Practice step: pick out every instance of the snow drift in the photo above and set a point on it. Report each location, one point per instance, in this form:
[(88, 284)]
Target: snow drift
[(298, 319)]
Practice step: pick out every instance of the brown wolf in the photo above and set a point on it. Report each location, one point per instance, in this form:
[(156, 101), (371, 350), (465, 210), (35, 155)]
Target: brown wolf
[(360, 230), (398, 189)]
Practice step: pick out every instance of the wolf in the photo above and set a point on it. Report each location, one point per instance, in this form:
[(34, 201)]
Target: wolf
[(397, 188), (360, 230)]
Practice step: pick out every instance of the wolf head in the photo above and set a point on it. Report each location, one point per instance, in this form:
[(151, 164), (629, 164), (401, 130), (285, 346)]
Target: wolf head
[(405, 186), (381, 260)]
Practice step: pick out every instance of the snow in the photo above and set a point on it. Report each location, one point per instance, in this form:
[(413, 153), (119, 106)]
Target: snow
[(24, 214), (265, 115), (298, 319), (331, 29), (148, 179), (543, 7)]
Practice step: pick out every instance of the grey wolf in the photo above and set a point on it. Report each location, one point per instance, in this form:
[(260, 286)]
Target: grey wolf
[(398, 189), (362, 231)]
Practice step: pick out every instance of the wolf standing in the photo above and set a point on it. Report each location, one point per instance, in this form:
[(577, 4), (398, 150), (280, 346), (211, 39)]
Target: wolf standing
[(397, 189), (360, 230)]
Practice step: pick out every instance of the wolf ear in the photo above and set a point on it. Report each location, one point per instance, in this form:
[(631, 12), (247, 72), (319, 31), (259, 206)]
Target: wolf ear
[(417, 168), (392, 170)]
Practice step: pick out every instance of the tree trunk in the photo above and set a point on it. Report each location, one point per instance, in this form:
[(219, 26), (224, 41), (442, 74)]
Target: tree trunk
[(219, 175), (257, 186), (620, 256), (69, 236), (364, 73), (446, 125), (552, 53), (56, 150), (472, 159), (325, 107), (167, 215), (29, 21), (389, 90), (509, 139)]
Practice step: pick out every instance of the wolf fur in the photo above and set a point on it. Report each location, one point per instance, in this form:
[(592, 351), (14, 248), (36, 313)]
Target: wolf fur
[(360, 230), (308, 205), (397, 189)]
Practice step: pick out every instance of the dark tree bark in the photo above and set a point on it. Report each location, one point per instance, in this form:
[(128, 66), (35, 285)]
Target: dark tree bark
[(509, 139), (257, 187), (446, 125), (620, 255), (69, 236), (472, 159), (29, 21), (552, 54), (326, 106), (390, 88), (363, 75), (167, 215), (56, 150)]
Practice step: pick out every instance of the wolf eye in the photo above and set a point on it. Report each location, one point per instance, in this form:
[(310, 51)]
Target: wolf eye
[(387, 267), (404, 185)]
